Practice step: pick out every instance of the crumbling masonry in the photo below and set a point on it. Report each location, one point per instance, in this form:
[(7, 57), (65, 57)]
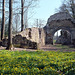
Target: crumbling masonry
[(59, 21), (36, 37)]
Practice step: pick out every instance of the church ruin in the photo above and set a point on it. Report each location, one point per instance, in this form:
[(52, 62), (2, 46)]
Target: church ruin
[(59, 21), (36, 37)]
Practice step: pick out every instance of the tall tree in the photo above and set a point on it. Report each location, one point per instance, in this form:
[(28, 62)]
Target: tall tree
[(22, 15), (0, 24), (25, 5), (17, 18), (39, 23), (73, 8), (68, 6), (3, 20), (9, 47), (0, 29)]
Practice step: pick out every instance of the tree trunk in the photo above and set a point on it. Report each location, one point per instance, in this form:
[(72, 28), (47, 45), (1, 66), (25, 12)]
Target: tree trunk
[(9, 47), (3, 20), (22, 15)]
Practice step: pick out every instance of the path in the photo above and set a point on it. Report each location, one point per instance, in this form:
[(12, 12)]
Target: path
[(49, 48), (45, 48), (53, 48)]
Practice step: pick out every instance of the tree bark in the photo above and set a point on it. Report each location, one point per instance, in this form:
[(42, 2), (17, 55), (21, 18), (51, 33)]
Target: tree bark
[(10, 26), (22, 15), (3, 20)]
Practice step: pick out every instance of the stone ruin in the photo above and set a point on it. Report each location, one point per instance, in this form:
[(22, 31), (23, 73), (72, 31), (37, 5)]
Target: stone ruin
[(29, 38), (58, 21), (64, 38), (37, 37)]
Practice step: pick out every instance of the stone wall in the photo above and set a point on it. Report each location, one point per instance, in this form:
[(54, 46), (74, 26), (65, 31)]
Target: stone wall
[(61, 16), (34, 34), (36, 37), (29, 38), (59, 21)]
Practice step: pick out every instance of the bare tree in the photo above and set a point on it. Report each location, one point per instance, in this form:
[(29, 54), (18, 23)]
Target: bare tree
[(39, 23), (68, 6), (22, 15), (73, 8), (42, 23), (26, 19), (0, 24), (0, 29), (3, 20), (17, 18), (9, 47), (25, 5)]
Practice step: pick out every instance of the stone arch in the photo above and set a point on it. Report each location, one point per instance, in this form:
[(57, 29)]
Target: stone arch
[(68, 29), (67, 34), (58, 21)]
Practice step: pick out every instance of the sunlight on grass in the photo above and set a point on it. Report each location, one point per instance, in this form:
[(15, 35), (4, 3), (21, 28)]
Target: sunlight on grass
[(54, 41)]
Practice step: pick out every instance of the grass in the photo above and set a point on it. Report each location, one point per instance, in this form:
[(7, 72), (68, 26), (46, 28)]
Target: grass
[(54, 41), (37, 63), (64, 47)]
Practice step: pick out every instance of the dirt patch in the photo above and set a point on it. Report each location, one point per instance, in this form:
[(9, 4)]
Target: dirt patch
[(55, 48), (45, 48)]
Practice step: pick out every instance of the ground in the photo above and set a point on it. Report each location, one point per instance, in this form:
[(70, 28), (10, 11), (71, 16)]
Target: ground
[(56, 47)]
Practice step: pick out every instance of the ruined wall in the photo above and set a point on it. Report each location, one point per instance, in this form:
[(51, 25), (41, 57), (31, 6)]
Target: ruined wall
[(59, 21), (31, 34), (34, 34), (30, 38)]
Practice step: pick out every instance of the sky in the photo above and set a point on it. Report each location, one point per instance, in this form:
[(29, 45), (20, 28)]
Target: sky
[(46, 8)]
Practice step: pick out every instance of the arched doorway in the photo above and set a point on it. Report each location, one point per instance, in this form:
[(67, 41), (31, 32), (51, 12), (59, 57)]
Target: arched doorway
[(62, 36), (57, 34)]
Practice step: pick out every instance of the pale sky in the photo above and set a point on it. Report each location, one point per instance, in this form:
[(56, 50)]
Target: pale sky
[(46, 8)]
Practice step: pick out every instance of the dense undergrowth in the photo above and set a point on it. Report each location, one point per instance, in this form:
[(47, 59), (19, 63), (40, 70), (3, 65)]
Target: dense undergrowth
[(37, 63)]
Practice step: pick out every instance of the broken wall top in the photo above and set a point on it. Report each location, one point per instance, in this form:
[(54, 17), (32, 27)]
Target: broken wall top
[(61, 16)]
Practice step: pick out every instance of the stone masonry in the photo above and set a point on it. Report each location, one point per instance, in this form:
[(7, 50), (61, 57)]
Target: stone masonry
[(29, 38), (64, 38), (36, 37), (59, 21)]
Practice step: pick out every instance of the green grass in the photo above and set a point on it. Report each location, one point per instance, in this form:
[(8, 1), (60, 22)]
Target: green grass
[(37, 63), (64, 47), (54, 41)]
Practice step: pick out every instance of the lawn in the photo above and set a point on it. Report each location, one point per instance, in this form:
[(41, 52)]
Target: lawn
[(37, 63), (64, 47)]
